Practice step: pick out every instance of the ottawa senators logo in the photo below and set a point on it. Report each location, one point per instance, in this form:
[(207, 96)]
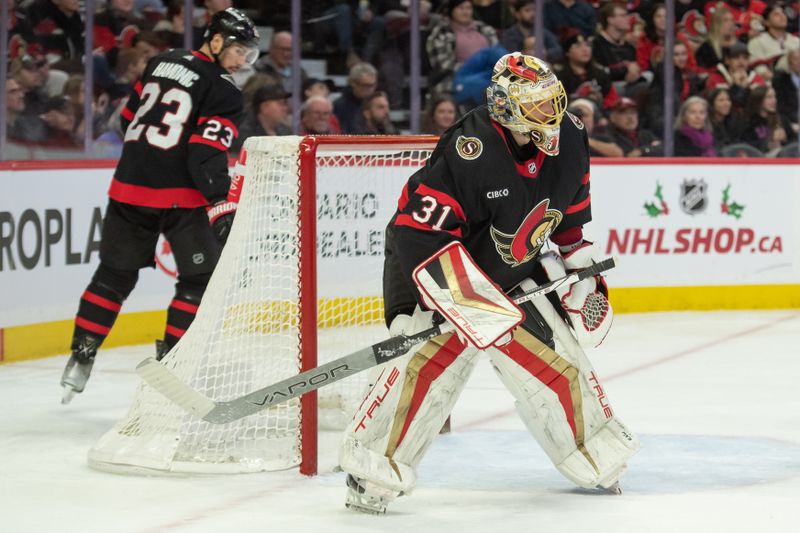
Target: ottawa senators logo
[(575, 120), (529, 238), (469, 148)]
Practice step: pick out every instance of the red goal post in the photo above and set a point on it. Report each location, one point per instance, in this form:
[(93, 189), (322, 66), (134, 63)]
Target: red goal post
[(309, 228)]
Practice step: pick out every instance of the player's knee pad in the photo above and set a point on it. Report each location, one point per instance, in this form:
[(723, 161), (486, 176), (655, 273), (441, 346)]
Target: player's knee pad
[(562, 403), (118, 282), (404, 411)]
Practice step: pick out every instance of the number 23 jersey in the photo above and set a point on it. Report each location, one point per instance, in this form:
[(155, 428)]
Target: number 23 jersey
[(181, 119), (502, 202)]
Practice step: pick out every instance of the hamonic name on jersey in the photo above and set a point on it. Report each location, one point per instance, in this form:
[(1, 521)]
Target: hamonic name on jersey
[(176, 72)]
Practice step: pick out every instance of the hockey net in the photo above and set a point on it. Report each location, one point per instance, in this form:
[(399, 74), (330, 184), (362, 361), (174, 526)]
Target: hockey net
[(275, 306)]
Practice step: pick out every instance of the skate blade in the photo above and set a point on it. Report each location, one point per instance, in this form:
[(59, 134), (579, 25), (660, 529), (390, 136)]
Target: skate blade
[(376, 511), (67, 394)]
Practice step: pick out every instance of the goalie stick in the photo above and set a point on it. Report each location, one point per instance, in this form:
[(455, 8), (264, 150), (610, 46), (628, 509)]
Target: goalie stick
[(164, 381)]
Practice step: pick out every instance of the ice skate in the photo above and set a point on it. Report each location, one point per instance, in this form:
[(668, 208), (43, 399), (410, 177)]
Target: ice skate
[(366, 497), (78, 368)]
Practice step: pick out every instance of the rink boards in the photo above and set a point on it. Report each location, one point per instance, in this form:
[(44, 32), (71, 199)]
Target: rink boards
[(690, 234)]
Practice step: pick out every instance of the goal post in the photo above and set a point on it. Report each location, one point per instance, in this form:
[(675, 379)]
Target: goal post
[(298, 283)]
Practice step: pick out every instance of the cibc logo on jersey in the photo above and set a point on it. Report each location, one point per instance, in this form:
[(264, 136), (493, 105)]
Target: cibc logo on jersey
[(522, 246)]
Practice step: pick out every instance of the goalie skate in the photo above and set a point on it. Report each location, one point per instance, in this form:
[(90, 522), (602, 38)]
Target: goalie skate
[(366, 497), (78, 369)]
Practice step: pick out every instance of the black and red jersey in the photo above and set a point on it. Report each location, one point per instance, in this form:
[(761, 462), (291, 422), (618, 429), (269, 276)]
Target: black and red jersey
[(501, 200), (179, 123)]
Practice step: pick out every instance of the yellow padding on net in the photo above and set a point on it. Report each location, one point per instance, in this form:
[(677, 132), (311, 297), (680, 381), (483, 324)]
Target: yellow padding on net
[(272, 317)]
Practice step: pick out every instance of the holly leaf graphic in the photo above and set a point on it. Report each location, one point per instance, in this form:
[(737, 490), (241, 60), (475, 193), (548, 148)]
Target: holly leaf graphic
[(658, 192), (735, 210), (652, 210)]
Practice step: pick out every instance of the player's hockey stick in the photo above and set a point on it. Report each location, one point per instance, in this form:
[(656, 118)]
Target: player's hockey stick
[(165, 382)]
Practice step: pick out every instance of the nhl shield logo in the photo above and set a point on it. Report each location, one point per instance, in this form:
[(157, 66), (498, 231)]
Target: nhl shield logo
[(469, 148), (694, 197)]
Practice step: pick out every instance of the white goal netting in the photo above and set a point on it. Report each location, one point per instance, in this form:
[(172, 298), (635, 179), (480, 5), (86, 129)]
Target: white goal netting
[(247, 333)]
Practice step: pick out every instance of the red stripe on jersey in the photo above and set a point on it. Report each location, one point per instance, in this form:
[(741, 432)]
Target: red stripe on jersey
[(574, 208), (585, 179), (406, 220), (442, 198), (403, 201), (175, 332), (100, 301), (568, 236), (152, 197), (201, 55), (197, 139), (183, 306), (224, 121), (138, 88), (127, 114), (543, 372), (431, 370), (91, 326)]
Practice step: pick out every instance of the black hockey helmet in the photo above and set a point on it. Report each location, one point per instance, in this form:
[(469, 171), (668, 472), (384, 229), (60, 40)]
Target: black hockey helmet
[(235, 28)]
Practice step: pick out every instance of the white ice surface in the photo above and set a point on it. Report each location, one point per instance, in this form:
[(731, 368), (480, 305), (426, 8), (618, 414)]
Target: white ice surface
[(713, 396)]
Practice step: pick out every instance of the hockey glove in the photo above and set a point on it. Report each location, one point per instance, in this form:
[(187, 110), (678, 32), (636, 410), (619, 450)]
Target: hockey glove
[(220, 216), (585, 302)]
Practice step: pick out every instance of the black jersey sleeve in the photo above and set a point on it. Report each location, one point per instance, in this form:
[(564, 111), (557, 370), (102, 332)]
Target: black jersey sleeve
[(129, 110), (579, 212), (216, 129)]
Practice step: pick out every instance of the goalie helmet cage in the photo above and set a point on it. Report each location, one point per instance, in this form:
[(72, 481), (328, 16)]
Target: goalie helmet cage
[(309, 228)]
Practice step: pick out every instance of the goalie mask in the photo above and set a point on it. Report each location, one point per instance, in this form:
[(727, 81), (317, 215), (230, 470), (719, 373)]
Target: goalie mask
[(525, 96)]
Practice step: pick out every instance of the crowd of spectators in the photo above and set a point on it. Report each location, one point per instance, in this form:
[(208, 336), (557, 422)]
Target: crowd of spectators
[(736, 68)]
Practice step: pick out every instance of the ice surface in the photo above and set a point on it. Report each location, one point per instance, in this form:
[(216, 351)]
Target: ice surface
[(714, 397)]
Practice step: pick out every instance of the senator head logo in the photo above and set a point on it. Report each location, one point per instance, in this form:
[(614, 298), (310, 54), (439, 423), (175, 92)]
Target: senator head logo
[(525, 243)]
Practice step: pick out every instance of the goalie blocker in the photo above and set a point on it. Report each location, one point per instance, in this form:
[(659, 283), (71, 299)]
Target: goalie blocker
[(558, 395)]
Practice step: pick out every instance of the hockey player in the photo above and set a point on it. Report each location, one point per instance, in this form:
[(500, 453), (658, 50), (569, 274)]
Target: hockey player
[(172, 178), (501, 181)]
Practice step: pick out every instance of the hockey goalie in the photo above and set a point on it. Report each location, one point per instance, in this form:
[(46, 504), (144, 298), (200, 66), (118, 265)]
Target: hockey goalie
[(499, 207)]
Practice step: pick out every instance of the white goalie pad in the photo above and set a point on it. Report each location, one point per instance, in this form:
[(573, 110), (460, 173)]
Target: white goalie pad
[(452, 282), (563, 403), (404, 410)]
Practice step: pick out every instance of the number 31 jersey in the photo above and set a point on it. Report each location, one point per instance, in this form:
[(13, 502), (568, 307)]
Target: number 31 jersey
[(179, 123)]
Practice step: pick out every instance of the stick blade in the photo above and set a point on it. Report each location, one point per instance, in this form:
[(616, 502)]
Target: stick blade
[(162, 380)]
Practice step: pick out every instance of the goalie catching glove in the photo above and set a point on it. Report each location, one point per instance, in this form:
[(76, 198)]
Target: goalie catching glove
[(586, 302), (450, 282)]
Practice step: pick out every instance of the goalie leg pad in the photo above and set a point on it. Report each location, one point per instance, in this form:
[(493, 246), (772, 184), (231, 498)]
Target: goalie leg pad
[(563, 404), (404, 411)]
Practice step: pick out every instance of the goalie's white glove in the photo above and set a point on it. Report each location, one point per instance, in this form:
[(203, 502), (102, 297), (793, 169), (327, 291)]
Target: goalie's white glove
[(585, 302)]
